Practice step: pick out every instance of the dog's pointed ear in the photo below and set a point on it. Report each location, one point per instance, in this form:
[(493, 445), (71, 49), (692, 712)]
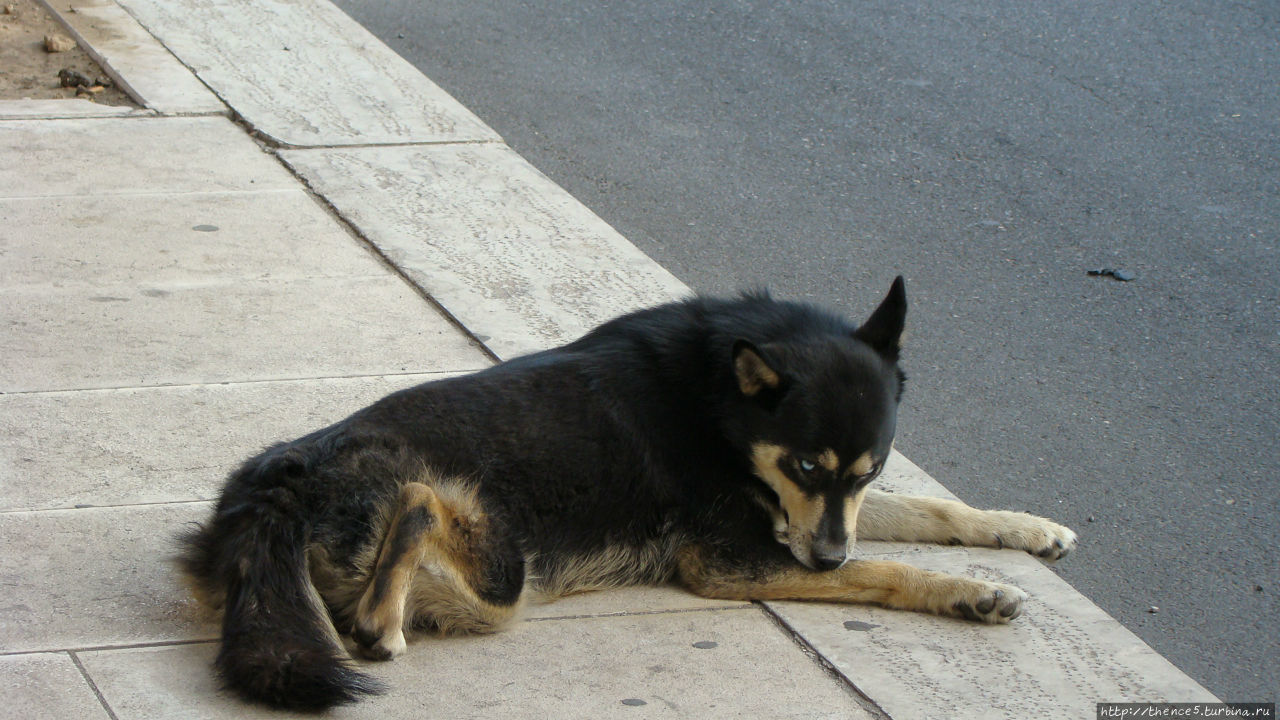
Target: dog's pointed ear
[(883, 330), (753, 370)]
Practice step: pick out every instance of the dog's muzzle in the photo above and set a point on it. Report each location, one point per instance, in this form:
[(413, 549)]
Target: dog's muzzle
[(828, 555)]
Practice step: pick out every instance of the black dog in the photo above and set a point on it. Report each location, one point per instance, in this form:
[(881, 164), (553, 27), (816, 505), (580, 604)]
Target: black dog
[(725, 445)]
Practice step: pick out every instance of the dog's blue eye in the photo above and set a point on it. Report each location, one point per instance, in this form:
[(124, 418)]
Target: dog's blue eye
[(807, 466)]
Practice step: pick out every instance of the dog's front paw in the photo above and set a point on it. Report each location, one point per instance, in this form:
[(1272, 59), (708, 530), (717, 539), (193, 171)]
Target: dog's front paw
[(379, 646), (987, 602), (1040, 537), (1057, 542)]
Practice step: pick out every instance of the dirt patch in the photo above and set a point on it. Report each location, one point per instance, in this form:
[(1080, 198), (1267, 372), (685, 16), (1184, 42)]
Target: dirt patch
[(30, 71)]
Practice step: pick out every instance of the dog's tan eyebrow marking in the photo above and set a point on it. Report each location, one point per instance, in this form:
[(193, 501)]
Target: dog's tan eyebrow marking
[(863, 464), (795, 504), (827, 458)]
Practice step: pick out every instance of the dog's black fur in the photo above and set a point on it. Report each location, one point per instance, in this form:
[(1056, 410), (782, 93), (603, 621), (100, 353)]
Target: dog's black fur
[(634, 440)]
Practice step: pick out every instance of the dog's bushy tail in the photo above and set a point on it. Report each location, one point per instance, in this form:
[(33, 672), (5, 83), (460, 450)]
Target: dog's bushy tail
[(279, 645)]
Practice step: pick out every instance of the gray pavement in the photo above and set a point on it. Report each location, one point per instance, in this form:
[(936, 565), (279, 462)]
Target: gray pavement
[(180, 289)]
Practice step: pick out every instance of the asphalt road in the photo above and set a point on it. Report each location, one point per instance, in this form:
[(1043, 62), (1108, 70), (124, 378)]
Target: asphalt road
[(992, 151)]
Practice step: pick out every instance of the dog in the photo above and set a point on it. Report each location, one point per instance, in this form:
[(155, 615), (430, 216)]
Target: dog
[(726, 446)]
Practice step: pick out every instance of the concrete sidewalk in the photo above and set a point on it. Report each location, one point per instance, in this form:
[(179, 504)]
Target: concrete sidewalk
[(296, 223)]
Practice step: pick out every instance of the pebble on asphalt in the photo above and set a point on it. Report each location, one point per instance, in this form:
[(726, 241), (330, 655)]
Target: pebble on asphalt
[(1121, 275)]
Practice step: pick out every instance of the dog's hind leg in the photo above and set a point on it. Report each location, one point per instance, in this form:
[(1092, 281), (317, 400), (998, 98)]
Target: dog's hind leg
[(909, 518), (729, 576), (442, 565), (379, 627)]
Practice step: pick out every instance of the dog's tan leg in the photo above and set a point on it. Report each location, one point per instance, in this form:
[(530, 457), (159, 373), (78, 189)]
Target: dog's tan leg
[(882, 582), (380, 616), (474, 575), (909, 518), (438, 565)]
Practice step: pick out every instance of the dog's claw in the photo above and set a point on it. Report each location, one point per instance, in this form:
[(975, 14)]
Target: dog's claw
[(967, 611), (991, 603), (374, 652), (1043, 538), (372, 646), (1061, 547), (1058, 551)]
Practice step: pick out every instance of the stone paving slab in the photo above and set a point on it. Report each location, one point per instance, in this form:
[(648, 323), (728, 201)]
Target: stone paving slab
[(305, 74), (166, 444), (511, 255), (171, 335), (95, 577), (119, 291), (1060, 658), (900, 475), (118, 156), (583, 668), (46, 686), (63, 108), (157, 240), (134, 59)]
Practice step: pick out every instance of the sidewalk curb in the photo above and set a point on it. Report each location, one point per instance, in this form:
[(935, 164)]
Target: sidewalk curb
[(136, 62)]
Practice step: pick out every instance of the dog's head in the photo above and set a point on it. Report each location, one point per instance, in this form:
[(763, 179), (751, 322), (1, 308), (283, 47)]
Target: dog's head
[(818, 420)]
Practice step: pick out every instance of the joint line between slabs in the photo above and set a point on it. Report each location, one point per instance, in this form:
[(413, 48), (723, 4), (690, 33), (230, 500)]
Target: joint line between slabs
[(107, 648), (150, 193), (871, 706), (377, 253), (109, 506), (84, 672), (287, 147), (228, 383)]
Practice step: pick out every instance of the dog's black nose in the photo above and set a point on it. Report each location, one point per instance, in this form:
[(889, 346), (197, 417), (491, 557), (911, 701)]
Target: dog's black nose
[(827, 557), (827, 563)]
